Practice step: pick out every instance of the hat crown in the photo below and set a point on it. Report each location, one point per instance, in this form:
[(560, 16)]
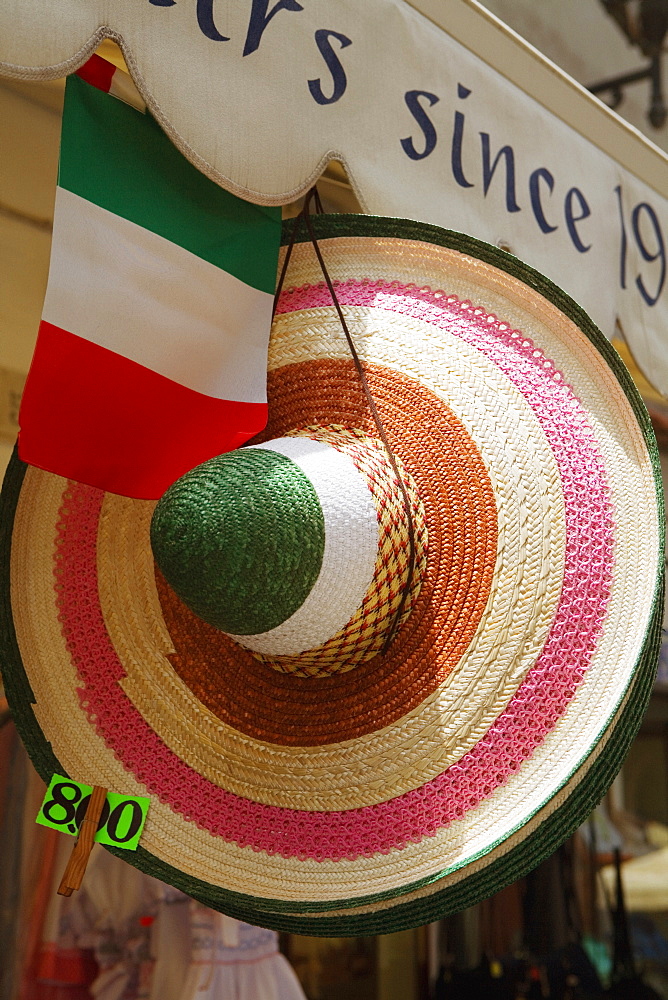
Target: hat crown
[(284, 546), (240, 539)]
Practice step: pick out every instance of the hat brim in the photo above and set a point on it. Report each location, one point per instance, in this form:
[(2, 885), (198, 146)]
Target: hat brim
[(418, 888)]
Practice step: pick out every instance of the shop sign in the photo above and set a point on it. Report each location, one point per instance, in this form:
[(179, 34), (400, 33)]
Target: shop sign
[(261, 94)]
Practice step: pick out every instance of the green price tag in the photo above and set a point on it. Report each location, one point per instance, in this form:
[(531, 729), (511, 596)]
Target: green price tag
[(121, 822)]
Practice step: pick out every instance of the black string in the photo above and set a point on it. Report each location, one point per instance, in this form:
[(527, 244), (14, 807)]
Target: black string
[(318, 204), (305, 216), (288, 255), (312, 194)]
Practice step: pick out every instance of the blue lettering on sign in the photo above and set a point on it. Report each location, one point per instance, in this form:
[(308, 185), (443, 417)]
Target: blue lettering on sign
[(623, 247), (334, 65), (206, 22), (457, 142), (642, 228), (260, 18), (534, 193), (575, 194), (412, 98), (488, 171), (643, 210)]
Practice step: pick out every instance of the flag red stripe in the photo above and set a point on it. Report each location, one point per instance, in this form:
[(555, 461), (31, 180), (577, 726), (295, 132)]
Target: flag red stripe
[(98, 72), (92, 415)]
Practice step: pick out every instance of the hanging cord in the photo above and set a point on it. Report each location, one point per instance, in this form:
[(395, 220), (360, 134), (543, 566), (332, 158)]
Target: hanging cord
[(316, 197), (305, 216), (312, 194)]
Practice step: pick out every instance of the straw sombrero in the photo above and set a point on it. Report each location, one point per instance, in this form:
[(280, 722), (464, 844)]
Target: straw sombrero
[(371, 693)]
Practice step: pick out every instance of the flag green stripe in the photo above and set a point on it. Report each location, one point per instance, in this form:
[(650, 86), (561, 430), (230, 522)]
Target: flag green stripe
[(120, 159)]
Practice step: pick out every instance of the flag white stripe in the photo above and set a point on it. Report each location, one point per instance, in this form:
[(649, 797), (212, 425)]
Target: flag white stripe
[(149, 300)]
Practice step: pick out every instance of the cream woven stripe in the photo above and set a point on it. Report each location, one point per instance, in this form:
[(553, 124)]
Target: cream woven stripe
[(195, 851), (349, 557), (452, 719)]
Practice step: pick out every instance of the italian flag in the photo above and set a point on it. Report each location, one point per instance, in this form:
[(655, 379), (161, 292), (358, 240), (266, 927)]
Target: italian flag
[(152, 351)]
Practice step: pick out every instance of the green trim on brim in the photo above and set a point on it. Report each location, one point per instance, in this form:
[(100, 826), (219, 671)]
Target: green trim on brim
[(517, 862), (17, 687)]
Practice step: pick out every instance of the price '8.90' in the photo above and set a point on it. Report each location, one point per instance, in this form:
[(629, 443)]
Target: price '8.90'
[(121, 821)]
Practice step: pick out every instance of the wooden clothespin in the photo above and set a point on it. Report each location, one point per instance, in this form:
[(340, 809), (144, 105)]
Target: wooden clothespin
[(76, 866)]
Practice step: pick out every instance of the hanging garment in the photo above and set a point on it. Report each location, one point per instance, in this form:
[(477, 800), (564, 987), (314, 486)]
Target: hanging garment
[(236, 961), (63, 965), (121, 905)]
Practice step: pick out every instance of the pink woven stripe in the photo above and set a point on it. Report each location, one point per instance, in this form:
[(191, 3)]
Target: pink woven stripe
[(533, 712)]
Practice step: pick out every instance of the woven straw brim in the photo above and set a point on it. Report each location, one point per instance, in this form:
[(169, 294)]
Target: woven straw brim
[(393, 753)]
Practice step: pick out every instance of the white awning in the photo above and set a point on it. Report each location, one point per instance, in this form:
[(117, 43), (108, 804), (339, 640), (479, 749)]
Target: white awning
[(437, 110)]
